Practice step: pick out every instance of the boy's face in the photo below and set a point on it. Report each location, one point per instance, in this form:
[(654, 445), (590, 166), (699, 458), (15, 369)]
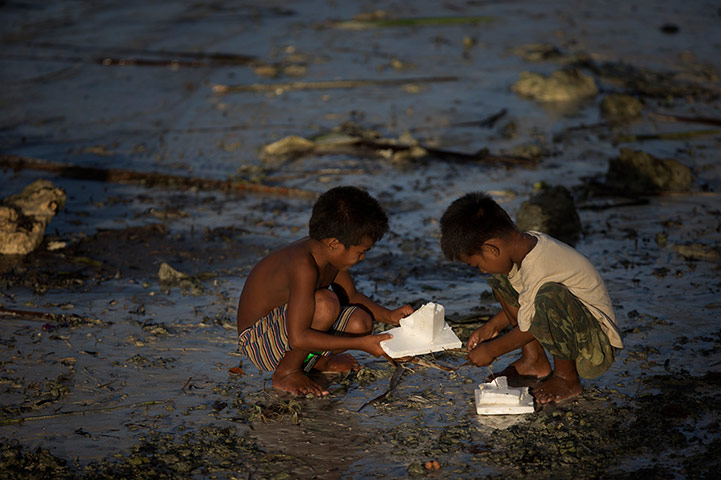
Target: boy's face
[(491, 259), (344, 257)]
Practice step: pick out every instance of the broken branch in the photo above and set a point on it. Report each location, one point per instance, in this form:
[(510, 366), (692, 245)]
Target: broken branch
[(148, 179)]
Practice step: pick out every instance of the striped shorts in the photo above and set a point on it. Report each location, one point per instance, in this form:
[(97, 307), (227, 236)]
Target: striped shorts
[(266, 341)]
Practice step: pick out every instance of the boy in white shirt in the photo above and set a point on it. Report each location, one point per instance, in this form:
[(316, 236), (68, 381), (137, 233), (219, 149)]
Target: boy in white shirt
[(551, 296)]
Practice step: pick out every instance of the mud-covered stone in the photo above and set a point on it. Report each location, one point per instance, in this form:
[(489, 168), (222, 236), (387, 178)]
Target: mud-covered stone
[(620, 107), (640, 172), (561, 86), (23, 217), (553, 211)]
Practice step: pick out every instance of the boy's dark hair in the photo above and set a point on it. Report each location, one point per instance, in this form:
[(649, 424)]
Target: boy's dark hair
[(348, 214), (469, 222)]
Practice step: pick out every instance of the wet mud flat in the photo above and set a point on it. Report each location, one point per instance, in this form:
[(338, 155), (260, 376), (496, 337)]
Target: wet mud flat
[(184, 163)]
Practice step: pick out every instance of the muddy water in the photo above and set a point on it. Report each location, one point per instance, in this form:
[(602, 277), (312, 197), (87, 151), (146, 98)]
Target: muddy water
[(131, 376)]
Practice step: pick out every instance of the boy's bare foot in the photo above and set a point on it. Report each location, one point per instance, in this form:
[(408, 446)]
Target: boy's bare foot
[(297, 383), (557, 388), (525, 371), (516, 379), (339, 363)]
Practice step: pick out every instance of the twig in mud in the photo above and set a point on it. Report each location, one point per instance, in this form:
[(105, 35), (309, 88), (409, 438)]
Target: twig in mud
[(186, 384), (11, 421), (680, 118), (427, 363), (667, 135), (395, 380), (493, 376), (487, 122), (327, 84), (148, 179)]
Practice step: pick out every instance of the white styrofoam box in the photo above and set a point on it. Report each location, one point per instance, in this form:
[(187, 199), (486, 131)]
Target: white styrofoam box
[(423, 331), (496, 398), (427, 322)]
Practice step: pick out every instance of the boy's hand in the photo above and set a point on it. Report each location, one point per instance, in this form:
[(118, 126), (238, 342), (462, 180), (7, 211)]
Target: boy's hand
[(480, 356), (372, 344), (480, 335), (396, 315)]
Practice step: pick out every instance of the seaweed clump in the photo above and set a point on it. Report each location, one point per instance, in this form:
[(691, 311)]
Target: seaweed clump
[(37, 464)]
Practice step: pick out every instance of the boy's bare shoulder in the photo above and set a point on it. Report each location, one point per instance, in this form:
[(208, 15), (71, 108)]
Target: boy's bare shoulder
[(294, 256)]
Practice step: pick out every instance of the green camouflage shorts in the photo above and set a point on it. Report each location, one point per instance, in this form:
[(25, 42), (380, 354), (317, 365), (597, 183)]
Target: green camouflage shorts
[(564, 326)]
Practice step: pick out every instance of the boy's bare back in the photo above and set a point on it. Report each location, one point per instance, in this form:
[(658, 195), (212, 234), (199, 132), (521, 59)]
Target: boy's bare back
[(269, 283)]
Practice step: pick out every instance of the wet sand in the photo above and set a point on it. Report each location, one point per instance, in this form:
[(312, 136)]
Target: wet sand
[(107, 371)]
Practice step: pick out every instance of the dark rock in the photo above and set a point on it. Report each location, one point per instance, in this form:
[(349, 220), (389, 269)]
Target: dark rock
[(551, 211), (639, 172)]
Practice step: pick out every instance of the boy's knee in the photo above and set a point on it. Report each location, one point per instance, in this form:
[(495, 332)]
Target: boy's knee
[(360, 322), (327, 305)]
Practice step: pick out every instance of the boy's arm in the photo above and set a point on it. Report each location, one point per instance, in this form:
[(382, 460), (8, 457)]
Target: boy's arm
[(301, 309), (344, 283), (487, 352), (489, 330)]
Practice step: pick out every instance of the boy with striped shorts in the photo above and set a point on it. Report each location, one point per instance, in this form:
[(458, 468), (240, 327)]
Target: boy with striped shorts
[(299, 307)]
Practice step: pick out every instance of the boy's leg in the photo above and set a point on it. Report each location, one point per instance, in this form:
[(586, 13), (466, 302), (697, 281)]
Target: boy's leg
[(533, 364), (352, 321), (289, 374), (570, 333)]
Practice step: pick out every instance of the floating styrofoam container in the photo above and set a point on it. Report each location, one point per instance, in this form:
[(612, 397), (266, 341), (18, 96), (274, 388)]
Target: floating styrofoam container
[(423, 331), (497, 398)]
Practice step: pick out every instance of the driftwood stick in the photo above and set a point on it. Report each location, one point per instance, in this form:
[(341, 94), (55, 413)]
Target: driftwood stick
[(359, 24), (371, 148), (28, 314), (326, 85), (137, 56), (148, 179)]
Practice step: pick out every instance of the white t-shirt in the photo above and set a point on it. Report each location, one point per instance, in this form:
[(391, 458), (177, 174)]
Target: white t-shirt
[(554, 261)]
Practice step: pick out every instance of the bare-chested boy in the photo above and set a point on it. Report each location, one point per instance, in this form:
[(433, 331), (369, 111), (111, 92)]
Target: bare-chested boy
[(289, 321), (551, 297)]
